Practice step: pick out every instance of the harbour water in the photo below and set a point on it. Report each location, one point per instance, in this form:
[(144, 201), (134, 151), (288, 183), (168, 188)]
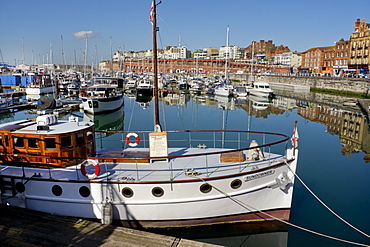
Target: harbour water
[(334, 148)]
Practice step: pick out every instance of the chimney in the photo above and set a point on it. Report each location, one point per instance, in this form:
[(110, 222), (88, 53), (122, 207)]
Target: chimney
[(357, 25)]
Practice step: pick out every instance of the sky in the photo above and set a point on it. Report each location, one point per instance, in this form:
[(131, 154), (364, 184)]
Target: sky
[(31, 30)]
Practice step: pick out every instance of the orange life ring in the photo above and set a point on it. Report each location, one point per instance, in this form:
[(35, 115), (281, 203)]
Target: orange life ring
[(132, 144), (90, 162)]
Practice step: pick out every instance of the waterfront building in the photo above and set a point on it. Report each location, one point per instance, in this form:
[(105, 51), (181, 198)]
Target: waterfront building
[(341, 57), (317, 60), (359, 47), (264, 51), (231, 52), (290, 59), (205, 53), (174, 52)]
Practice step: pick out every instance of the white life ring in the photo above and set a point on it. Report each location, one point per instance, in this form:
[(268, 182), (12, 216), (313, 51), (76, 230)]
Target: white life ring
[(90, 162), (132, 144)]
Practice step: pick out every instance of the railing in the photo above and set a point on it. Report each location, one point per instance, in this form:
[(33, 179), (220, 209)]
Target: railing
[(228, 140)]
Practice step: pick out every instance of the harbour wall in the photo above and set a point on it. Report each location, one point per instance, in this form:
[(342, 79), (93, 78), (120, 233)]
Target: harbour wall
[(356, 85)]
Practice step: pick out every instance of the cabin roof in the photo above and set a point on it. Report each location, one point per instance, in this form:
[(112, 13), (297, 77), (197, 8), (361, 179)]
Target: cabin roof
[(62, 127)]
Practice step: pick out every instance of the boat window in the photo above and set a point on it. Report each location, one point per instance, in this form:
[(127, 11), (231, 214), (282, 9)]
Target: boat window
[(50, 143), (80, 139), (66, 141), (18, 142), (90, 136), (33, 143)]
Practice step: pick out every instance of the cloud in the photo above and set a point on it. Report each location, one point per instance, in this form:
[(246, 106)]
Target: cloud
[(84, 34)]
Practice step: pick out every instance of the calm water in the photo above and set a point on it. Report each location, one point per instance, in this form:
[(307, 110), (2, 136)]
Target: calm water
[(332, 161)]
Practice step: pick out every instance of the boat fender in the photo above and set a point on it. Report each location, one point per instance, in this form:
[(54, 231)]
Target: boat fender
[(132, 144), (90, 162)]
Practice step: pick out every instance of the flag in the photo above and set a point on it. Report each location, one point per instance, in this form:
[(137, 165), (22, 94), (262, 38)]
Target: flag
[(295, 137), (151, 13)]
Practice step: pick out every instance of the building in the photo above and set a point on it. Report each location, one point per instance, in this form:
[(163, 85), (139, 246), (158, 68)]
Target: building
[(359, 48), (174, 52), (317, 60), (264, 51), (341, 57), (231, 52), (211, 52)]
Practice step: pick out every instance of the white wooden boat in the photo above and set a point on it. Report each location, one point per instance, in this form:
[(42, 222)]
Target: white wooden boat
[(98, 99), (52, 166)]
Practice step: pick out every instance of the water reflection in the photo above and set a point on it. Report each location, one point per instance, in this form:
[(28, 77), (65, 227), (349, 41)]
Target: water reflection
[(112, 121), (342, 120)]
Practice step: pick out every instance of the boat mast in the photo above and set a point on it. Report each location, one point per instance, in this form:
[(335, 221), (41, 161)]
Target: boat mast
[(157, 127)]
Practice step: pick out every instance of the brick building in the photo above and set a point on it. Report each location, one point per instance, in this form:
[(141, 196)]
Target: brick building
[(341, 57), (264, 51), (318, 60)]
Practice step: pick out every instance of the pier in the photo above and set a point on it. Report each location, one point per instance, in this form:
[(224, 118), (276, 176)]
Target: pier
[(22, 227)]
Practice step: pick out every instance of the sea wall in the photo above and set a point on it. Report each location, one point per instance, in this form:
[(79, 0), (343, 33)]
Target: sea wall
[(356, 85)]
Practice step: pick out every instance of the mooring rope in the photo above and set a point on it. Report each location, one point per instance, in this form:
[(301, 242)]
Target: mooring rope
[(246, 206), (326, 206)]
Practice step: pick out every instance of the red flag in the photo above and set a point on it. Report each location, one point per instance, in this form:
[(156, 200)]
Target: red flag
[(295, 137), (151, 13)]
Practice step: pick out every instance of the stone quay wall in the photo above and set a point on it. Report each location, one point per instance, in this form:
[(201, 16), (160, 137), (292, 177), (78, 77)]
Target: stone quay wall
[(356, 85)]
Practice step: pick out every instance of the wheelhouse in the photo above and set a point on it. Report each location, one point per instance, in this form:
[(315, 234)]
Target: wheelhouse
[(46, 142)]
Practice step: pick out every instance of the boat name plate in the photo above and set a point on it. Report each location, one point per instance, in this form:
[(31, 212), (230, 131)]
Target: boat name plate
[(259, 175)]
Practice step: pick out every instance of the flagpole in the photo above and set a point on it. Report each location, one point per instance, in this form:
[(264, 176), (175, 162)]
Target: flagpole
[(294, 136), (157, 127)]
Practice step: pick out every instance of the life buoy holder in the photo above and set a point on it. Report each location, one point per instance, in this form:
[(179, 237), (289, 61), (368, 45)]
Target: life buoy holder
[(132, 144), (90, 162)]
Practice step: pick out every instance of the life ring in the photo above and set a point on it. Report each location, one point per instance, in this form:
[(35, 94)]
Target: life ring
[(132, 144), (90, 162)]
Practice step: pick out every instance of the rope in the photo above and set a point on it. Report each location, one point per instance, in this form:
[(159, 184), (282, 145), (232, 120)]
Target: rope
[(326, 206), (246, 206)]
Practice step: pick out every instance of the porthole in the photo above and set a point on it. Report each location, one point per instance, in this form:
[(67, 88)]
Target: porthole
[(84, 191), (157, 192), (57, 190), (20, 187), (236, 183), (127, 192), (205, 188)]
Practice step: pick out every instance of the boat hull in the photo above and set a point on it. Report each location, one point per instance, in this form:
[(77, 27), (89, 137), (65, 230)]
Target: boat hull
[(36, 90), (166, 204), (96, 105)]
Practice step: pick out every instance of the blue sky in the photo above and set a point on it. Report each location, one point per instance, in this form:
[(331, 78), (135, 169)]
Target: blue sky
[(125, 24)]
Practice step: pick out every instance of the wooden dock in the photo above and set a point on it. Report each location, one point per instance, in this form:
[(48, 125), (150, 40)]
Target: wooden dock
[(22, 227)]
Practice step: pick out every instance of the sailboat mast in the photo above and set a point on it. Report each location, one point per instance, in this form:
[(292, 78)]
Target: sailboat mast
[(155, 69)]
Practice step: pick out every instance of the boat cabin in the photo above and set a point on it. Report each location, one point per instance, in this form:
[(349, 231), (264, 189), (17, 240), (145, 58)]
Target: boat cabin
[(36, 142)]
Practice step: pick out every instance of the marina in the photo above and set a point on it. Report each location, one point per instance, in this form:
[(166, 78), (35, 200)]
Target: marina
[(251, 146)]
